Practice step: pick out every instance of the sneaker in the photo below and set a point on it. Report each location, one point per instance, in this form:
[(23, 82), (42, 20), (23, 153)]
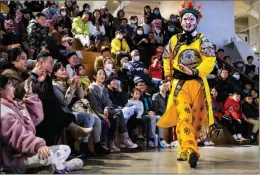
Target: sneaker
[(211, 143), (166, 145), (127, 143), (114, 149), (140, 143), (74, 164), (101, 149), (174, 143), (151, 144)]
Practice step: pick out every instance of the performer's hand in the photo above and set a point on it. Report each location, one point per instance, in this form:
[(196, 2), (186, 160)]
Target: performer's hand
[(185, 69), (44, 152)]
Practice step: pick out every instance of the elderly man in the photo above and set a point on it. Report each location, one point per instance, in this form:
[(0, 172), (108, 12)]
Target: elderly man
[(137, 67), (192, 58)]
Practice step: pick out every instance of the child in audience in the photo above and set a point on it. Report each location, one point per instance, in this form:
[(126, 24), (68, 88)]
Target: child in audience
[(159, 106), (254, 94), (156, 72), (248, 88), (73, 62), (252, 113), (100, 102), (232, 108), (134, 106), (68, 91), (22, 149), (84, 80)]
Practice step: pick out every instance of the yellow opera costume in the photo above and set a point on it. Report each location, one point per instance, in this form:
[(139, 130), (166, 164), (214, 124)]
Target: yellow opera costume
[(189, 104)]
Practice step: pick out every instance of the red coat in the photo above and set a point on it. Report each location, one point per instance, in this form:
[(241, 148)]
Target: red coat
[(155, 70), (233, 109)]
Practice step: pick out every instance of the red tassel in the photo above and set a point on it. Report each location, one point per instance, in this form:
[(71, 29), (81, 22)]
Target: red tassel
[(190, 4), (183, 5)]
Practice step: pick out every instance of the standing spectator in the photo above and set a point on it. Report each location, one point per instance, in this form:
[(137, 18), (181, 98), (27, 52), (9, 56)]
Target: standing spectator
[(97, 30), (37, 33), (233, 109), (252, 113), (137, 67), (80, 29), (159, 107), (119, 46), (148, 13), (50, 11), (224, 86)]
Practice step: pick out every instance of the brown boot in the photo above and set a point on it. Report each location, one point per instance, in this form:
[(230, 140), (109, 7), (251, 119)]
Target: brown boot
[(78, 131)]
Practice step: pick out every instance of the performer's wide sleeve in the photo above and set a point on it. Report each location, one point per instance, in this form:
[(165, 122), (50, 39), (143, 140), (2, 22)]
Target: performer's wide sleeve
[(208, 57), (166, 60)]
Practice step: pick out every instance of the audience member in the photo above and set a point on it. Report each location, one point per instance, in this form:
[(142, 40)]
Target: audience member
[(105, 53), (73, 61)]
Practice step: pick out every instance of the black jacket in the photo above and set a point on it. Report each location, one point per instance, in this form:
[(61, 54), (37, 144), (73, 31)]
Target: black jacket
[(250, 111), (224, 88)]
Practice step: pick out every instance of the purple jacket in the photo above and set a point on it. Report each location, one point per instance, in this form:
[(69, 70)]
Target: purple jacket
[(18, 131)]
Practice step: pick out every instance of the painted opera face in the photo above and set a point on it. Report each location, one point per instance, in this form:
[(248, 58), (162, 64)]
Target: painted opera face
[(189, 22)]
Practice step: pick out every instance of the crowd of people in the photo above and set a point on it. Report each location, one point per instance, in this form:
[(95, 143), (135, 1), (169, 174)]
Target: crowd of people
[(46, 95)]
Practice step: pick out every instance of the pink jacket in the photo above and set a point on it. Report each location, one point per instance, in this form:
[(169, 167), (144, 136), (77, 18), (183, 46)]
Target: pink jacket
[(18, 131)]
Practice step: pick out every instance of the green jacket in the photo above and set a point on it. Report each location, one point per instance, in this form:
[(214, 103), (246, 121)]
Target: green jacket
[(79, 27)]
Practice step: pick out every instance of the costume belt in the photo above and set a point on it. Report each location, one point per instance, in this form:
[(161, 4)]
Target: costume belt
[(182, 76)]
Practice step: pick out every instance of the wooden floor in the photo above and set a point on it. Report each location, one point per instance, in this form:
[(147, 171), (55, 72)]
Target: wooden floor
[(230, 159)]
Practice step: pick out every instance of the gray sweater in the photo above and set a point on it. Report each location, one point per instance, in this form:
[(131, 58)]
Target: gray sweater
[(99, 98), (64, 94)]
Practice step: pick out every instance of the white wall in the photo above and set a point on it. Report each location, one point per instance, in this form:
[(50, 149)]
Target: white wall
[(218, 23), (253, 33)]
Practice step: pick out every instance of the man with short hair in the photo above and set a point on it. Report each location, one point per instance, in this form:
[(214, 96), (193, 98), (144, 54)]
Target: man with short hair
[(37, 33)]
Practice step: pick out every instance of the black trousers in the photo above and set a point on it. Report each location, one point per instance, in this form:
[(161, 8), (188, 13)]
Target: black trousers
[(234, 127), (144, 123), (55, 120), (117, 121)]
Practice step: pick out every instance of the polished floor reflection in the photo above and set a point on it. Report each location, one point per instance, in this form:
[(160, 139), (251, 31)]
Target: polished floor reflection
[(229, 159)]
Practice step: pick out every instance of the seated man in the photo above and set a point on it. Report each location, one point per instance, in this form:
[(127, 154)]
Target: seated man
[(232, 108), (252, 113), (119, 46), (137, 68)]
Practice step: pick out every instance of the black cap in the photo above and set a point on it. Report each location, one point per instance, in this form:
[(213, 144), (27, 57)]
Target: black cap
[(138, 80)]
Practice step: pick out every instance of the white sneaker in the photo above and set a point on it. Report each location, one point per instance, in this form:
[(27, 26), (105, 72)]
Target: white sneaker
[(166, 145), (211, 143), (174, 143), (206, 143), (114, 149), (74, 164), (127, 143), (235, 136)]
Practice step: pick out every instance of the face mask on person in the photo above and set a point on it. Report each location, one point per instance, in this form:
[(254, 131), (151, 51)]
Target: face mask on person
[(173, 20), (236, 76), (239, 65), (158, 30), (109, 66), (120, 36), (137, 58), (63, 13), (156, 12), (125, 65), (171, 29), (87, 9), (132, 22), (139, 32), (53, 10)]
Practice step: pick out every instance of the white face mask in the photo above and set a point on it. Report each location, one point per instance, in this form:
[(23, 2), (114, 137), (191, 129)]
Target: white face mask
[(237, 77), (139, 32), (137, 58), (120, 36), (63, 13), (125, 65), (109, 66), (158, 30)]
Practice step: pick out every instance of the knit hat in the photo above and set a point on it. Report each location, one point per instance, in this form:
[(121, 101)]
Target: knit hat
[(138, 80)]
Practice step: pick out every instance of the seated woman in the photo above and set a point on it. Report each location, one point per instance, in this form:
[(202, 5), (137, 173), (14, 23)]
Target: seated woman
[(68, 90), (100, 102), (80, 29), (105, 53), (97, 30), (22, 149), (73, 61), (109, 66)]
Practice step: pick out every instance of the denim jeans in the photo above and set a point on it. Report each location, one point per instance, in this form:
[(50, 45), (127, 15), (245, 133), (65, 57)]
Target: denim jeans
[(152, 131), (88, 120)]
